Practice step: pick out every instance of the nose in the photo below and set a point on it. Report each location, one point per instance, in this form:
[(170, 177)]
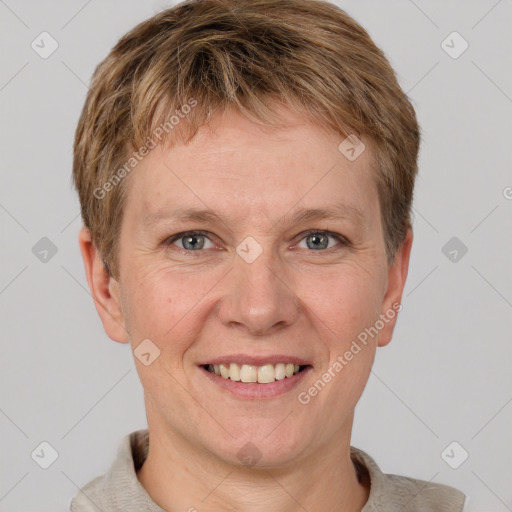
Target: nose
[(259, 297)]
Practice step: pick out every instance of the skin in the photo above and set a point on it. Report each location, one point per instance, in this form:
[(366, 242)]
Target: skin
[(197, 305)]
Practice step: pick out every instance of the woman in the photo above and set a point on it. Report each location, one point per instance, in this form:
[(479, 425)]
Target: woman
[(246, 172)]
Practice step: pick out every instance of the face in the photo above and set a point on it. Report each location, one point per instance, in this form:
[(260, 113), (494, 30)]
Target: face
[(284, 268)]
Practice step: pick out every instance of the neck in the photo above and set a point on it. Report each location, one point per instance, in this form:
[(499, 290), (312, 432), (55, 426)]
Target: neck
[(181, 476)]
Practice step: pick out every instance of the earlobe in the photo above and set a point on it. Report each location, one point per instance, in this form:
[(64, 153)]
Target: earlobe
[(104, 289), (397, 276)]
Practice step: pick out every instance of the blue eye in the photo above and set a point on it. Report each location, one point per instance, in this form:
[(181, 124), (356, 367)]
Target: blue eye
[(316, 240), (319, 240), (192, 240)]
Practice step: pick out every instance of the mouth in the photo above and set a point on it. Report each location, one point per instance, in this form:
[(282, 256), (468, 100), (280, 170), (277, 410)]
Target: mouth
[(255, 374), (249, 378)]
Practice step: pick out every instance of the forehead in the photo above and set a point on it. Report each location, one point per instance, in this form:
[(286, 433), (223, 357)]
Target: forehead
[(239, 167)]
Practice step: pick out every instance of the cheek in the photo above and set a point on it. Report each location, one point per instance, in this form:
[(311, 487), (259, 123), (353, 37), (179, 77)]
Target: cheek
[(346, 300), (163, 305), (345, 308)]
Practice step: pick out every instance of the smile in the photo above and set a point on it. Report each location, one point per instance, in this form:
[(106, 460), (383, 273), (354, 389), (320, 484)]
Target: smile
[(247, 373), (254, 377)]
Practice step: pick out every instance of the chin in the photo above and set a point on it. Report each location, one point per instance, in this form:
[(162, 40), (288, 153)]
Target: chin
[(262, 448)]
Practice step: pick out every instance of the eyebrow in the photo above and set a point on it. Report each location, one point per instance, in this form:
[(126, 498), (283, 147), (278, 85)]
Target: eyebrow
[(335, 212)]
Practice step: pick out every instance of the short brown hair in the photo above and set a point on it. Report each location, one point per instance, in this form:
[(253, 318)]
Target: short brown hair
[(308, 55)]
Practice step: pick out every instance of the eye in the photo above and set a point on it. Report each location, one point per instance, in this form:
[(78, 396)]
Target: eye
[(319, 240), (191, 241)]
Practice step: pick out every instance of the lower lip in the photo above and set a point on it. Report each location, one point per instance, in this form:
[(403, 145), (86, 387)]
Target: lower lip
[(255, 390)]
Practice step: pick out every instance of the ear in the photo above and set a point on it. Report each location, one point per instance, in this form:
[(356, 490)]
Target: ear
[(397, 275), (104, 289)]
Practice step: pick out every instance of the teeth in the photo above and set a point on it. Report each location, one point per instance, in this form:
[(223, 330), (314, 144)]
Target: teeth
[(250, 373), (224, 370), (280, 371), (266, 374), (234, 372)]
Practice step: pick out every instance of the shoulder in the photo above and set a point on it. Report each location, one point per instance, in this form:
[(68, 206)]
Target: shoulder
[(118, 488), (394, 492), (422, 496), (89, 497)]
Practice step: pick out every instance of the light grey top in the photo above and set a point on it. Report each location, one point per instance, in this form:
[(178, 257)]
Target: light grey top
[(120, 490)]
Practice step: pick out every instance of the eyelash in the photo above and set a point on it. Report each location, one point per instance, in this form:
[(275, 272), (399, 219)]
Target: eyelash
[(340, 238)]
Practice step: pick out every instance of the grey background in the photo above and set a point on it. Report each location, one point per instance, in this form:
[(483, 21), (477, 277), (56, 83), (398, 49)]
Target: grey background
[(445, 377)]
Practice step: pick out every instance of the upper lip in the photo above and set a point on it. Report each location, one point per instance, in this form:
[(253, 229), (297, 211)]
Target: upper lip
[(256, 360)]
